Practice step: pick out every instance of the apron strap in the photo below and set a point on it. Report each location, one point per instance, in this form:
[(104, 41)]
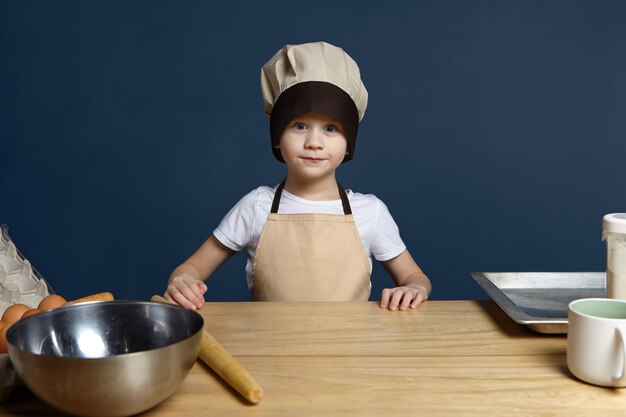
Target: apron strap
[(344, 200), (342, 194), (277, 194)]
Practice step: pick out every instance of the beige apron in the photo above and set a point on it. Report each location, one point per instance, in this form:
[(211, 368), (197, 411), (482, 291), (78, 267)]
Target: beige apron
[(310, 257)]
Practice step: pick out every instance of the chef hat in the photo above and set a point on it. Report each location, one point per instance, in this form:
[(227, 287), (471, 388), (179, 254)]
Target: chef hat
[(313, 77)]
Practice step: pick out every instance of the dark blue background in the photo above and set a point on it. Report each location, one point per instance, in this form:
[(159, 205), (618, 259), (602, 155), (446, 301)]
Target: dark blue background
[(496, 131)]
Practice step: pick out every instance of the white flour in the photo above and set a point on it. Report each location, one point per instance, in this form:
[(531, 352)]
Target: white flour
[(616, 267)]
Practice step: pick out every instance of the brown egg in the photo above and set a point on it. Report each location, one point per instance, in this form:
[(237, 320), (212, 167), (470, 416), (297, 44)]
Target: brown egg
[(51, 301), (14, 312), (4, 346), (30, 312)]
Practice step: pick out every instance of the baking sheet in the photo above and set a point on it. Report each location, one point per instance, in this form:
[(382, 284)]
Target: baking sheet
[(539, 300)]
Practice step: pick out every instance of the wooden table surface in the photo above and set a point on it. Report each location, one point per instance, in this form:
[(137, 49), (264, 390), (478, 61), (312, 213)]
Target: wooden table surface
[(461, 358)]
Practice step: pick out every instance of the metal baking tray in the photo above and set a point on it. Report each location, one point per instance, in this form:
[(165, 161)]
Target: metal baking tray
[(540, 300)]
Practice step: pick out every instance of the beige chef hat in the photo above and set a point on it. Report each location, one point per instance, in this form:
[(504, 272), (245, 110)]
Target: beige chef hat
[(313, 77)]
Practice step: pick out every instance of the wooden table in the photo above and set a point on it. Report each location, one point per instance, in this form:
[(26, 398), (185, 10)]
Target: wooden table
[(461, 358)]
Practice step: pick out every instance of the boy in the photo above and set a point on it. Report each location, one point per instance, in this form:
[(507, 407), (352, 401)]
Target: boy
[(302, 239)]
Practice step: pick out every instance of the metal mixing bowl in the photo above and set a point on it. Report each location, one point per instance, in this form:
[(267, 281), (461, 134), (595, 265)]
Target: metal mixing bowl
[(115, 358)]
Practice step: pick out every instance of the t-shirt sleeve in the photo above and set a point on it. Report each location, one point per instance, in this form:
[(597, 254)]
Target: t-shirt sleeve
[(235, 229), (387, 243)]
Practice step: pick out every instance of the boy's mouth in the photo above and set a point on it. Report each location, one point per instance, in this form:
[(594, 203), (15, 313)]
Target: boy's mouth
[(312, 159)]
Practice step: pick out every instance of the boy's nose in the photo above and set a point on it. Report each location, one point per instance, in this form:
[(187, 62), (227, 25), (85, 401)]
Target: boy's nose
[(313, 140)]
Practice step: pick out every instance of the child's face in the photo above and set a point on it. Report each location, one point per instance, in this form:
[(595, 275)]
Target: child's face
[(313, 145)]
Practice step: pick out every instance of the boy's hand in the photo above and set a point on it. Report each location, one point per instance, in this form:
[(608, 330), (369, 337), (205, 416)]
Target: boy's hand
[(403, 298), (186, 291)]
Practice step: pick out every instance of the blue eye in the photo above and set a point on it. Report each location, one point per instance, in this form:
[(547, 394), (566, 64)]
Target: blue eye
[(299, 125)]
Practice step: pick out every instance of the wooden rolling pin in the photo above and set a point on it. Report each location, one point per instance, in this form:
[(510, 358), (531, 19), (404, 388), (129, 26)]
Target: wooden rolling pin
[(101, 296), (223, 364)]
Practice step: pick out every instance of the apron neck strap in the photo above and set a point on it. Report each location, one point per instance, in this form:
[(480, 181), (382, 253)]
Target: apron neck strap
[(342, 194)]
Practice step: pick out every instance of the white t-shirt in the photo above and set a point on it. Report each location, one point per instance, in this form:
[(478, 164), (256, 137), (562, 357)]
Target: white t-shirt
[(242, 226)]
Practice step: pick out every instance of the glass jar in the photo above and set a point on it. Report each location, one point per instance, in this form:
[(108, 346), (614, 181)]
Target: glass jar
[(614, 232)]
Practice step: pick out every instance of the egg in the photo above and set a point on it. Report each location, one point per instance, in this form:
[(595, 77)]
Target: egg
[(30, 312), (14, 312), (4, 345), (51, 301)]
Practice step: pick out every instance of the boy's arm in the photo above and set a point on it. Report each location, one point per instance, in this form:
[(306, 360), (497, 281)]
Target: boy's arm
[(413, 286), (185, 285)]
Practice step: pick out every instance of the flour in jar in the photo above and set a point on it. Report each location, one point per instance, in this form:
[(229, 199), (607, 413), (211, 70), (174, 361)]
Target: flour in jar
[(616, 267), (614, 232)]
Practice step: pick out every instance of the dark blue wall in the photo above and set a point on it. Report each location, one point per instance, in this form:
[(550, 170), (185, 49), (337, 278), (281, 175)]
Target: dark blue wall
[(496, 131)]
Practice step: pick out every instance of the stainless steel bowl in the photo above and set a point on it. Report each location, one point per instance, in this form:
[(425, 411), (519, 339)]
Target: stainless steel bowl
[(115, 358)]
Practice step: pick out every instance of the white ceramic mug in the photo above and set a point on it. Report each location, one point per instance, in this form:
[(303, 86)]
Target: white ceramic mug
[(596, 336)]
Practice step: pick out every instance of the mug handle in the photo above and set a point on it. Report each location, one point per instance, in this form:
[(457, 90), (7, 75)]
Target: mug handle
[(620, 376)]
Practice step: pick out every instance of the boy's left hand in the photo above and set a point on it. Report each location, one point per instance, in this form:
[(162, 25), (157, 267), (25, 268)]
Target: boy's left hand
[(403, 298)]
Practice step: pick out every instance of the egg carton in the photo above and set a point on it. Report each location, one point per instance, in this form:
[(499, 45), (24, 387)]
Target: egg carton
[(19, 283), (19, 280)]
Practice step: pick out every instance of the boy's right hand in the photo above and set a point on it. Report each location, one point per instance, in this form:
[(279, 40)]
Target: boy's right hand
[(186, 291)]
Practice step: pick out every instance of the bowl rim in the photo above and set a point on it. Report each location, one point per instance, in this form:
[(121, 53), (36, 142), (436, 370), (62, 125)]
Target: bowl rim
[(91, 304)]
